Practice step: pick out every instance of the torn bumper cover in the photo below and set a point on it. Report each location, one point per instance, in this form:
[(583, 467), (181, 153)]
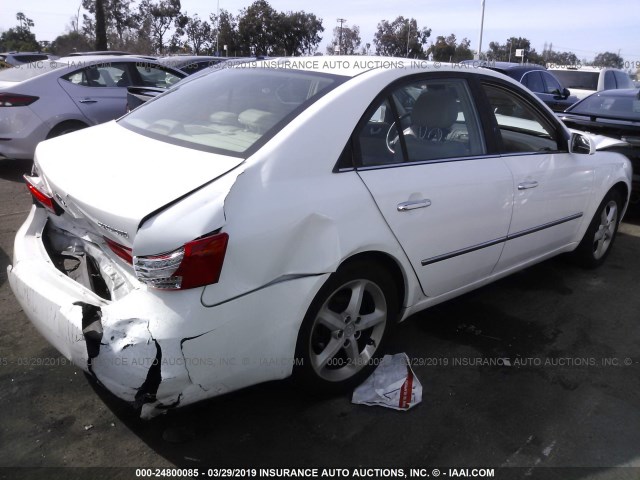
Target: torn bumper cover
[(156, 350), (120, 352)]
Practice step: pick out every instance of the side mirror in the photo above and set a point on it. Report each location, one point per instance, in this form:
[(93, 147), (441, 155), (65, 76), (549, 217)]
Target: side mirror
[(561, 94), (581, 144)]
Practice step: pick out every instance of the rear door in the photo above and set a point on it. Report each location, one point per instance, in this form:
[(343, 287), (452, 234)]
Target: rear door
[(99, 90), (448, 203)]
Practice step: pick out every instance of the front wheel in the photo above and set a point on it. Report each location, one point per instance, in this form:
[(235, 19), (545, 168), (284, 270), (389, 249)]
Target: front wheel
[(343, 333), (599, 237)]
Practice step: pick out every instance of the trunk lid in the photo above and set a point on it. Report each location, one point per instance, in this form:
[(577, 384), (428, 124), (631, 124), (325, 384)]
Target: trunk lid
[(113, 178)]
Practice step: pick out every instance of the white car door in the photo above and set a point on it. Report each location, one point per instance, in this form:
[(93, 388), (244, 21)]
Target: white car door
[(551, 185), (447, 202), (99, 91)]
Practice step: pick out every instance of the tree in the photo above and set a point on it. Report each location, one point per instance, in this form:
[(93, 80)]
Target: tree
[(608, 59), (401, 38), (350, 41), (558, 58), (70, 42), (298, 33), (198, 33), (159, 18), (463, 51), (257, 28), (448, 50), (125, 28), (25, 23), (507, 52), (19, 38), (101, 26), (225, 32)]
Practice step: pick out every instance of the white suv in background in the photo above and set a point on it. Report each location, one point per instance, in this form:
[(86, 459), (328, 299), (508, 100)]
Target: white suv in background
[(583, 81)]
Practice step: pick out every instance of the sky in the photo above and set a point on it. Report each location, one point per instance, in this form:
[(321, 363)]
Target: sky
[(585, 27)]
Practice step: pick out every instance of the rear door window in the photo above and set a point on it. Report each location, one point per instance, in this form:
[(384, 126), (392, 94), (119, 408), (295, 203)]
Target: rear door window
[(533, 81), (622, 80), (421, 121)]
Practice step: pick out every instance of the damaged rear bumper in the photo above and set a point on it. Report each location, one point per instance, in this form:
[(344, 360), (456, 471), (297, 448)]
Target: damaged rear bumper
[(157, 350)]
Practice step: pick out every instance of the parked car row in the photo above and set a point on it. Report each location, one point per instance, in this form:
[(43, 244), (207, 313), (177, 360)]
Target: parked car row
[(585, 80), (612, 113), (242, 246)]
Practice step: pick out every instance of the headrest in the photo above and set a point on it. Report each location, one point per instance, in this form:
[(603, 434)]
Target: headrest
[(435, 109)]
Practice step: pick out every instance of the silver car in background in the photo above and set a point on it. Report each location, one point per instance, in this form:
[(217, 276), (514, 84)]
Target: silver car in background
[(47, 98)]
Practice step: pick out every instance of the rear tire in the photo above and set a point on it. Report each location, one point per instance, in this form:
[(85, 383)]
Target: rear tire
[(64, 128), (599, 237), (345, 329)]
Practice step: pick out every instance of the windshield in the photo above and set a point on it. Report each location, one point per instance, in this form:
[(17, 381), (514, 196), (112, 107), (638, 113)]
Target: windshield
[(627, 107), (25, 71), (233, 111), (581, 80)]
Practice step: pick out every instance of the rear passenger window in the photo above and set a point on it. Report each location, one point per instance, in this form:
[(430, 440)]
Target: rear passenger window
[(155, 76), (609, 80), (622, 79), (533, 82), (100, 75), (421, 121), (522, 128)]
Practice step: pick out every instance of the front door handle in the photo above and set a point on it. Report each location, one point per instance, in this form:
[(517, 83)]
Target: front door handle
[(413, 204), (87, 100), (527, 185)]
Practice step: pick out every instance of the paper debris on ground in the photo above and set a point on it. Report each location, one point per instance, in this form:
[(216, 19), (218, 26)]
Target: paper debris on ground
[(393, 385)]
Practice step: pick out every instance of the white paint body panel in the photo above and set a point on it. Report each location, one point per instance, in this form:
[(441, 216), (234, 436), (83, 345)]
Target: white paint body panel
[(471, 204)]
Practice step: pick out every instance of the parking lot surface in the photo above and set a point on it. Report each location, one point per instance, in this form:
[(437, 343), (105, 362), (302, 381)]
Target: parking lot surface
[(538, 373)]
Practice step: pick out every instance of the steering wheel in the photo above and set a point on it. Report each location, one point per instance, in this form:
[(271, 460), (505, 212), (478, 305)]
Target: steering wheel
[(391, 144)]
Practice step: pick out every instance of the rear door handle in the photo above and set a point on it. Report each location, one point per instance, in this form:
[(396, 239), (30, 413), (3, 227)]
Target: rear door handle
[(413, 204), (87, 100), (527, 185)]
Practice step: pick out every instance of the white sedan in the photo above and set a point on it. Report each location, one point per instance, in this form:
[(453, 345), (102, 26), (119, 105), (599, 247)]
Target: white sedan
[(280, 217)]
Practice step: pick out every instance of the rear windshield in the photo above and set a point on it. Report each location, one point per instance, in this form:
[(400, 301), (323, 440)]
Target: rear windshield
[(626, 108), (582, 80), (26, 71), (232, 111)]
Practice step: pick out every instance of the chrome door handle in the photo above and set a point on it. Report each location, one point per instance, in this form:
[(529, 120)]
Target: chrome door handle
[(413, 204), (87, 100), (527, 185)]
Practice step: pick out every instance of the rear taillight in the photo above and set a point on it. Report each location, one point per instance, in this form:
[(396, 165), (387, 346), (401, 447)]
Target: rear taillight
[(120, 250), (195, 264), (40, 192), (16, 100)]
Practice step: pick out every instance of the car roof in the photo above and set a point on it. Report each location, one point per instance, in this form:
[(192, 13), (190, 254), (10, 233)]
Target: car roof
[(77, 59), (98, 52), (580, 67), (512, 66), (354, 65), (621, 92)]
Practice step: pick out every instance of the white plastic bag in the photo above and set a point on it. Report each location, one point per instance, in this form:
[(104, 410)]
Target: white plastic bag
[(393, 385)]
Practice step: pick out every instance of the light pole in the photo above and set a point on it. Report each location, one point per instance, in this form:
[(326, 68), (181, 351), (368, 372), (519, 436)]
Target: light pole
[(481, 28), (341, 20), (408, 36), (218, 29)]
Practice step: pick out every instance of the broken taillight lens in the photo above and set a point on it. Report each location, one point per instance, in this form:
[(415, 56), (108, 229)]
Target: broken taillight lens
[(16, 100), (195, 264), (41, 194), (120, 250)]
